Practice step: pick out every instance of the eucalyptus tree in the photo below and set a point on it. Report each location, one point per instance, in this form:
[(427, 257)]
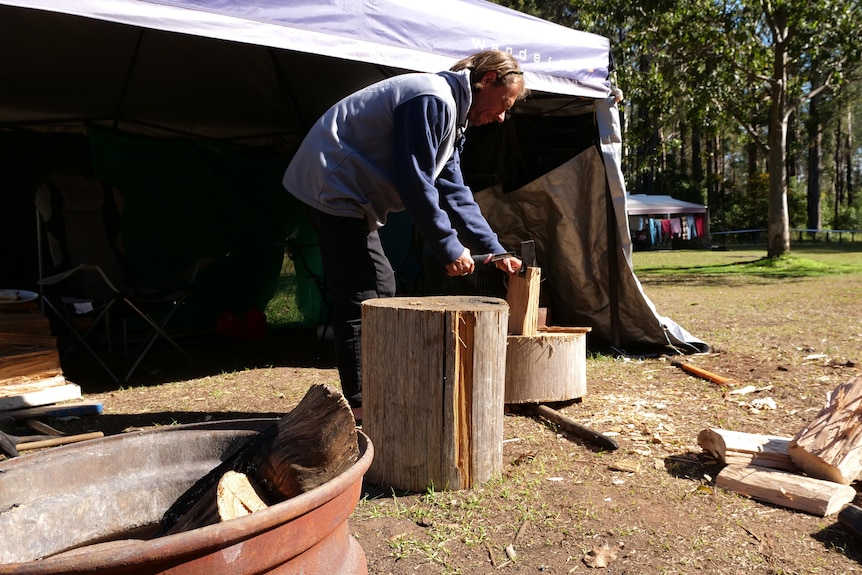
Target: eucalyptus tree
[(754, 61), (759, 62)]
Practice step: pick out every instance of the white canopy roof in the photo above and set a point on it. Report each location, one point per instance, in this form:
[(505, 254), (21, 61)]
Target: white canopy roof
[(643, 204), (228, 68)]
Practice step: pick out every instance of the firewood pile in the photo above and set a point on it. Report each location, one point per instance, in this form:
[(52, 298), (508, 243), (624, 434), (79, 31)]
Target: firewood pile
[(809, 472)]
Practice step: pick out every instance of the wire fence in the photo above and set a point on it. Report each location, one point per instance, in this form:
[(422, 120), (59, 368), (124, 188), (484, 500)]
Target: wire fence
[(759, 235)]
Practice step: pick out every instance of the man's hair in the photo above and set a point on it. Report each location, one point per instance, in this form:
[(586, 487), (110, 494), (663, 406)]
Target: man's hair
[(503, 64)]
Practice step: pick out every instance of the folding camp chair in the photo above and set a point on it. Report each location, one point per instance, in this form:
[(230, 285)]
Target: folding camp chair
[(89, 291), (155, 304)]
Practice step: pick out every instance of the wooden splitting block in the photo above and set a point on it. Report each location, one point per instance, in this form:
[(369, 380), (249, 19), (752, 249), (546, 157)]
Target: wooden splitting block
[(546, 366), (433, 377)]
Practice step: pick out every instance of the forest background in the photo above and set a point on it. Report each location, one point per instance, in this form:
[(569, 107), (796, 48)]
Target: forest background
[(747, 106)]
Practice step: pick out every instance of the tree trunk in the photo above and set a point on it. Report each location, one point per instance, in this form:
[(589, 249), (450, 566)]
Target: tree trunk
[(839, 171), (848, 159), (778, 233), (696, 153), (546, 367), (815, 163)]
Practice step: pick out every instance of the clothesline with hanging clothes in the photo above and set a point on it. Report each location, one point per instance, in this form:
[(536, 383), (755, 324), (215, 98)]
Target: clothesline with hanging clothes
[(663, 230)]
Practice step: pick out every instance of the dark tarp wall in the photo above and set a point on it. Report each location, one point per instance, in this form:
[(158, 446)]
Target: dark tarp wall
[(190, 199)]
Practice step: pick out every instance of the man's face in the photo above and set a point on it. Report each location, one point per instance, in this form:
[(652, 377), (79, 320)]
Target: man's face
[(491, 103)]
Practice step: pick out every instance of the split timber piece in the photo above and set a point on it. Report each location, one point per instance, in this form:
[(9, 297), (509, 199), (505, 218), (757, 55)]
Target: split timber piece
[(815, 496), (312, 444), (739, 448), (433, 379), (522, 295), (830, 447)]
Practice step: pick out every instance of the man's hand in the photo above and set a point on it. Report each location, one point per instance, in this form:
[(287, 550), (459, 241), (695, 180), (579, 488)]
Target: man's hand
[(462, 266), (509, 265)]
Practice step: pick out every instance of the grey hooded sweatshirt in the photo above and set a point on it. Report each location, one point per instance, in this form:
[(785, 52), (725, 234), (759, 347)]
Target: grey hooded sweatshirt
[(392, 146)]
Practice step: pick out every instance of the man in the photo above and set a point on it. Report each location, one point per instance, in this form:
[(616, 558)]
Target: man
[(395, 146)]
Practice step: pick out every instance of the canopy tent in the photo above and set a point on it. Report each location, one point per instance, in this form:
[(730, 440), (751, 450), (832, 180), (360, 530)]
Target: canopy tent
[(149, 79), (666, 221)]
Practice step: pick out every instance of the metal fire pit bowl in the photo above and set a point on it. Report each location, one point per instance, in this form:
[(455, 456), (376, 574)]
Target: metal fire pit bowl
[(109, 495)]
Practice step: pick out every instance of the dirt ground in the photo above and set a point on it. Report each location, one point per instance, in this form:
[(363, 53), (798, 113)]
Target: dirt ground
[(561, 505)]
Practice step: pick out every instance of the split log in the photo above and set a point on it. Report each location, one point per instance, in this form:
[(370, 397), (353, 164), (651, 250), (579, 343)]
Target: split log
[(312, 444), (815, 496), (522, 295), (829, 447), (741, 449), (237, 496), (433, 379)]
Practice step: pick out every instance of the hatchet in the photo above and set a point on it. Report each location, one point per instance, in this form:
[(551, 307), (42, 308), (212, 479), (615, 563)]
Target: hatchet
[(479, 259)]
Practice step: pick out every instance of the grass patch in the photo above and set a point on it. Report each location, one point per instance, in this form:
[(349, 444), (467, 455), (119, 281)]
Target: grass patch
[(807, 261)]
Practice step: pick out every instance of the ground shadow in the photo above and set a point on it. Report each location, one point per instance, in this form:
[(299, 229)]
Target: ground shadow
[(208, 354)]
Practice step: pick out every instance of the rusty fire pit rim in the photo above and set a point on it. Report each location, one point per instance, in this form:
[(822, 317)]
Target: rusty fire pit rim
[(210, 538)]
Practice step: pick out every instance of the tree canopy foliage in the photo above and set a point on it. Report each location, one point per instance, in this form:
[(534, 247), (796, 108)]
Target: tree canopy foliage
[(748, 105)]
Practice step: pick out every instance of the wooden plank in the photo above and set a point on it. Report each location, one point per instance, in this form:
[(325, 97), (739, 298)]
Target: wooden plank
[(522, 295), (72, 409), (829, 447), (564, 329), (26, 323), (42, 397), (815, 496), (15, 343), (25, 364), (21, 386), (44, 379), (739, 448)]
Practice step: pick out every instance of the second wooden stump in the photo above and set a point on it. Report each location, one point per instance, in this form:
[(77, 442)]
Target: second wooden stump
[(433, 381)]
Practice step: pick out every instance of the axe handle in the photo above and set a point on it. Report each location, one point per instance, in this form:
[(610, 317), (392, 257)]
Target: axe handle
[(574, 427), (702, 373), (63, 440)]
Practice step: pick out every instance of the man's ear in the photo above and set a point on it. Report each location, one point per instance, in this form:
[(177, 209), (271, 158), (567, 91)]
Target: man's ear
[(489, 78)]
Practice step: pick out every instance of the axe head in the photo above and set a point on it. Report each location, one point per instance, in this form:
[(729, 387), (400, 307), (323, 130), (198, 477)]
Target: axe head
[(528, 256)]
